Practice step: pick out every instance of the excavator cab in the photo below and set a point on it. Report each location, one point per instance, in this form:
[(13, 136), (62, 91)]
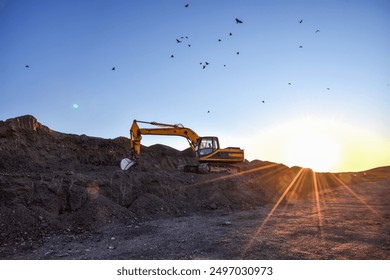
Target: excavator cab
[(206, 146)]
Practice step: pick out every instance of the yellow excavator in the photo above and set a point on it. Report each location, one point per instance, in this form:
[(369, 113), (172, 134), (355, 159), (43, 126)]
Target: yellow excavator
[(210, 156)]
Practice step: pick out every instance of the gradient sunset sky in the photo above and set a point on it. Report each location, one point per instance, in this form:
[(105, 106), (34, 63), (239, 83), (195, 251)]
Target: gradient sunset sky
[(298, 82)]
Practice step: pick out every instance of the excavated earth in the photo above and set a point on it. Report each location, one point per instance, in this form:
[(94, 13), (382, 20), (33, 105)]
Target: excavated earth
[(63, 196)]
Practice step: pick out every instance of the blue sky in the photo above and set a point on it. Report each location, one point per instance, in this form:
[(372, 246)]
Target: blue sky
[(71, 47)]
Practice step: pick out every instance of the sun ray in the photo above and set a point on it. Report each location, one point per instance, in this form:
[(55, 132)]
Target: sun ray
[(317, 199), (234, 175), (355, 194), (260, 228), (322, 188), (268, 177), (295, 188), (325, 188)]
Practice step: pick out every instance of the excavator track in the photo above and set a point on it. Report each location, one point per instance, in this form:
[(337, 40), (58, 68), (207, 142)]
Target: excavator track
[(205, 168)]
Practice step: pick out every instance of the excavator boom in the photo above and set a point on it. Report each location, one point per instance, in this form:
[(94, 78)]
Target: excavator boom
[(165, 129)]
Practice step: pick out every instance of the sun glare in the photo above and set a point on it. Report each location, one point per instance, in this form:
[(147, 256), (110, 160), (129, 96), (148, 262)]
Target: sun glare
[(322, 145), (313, 150), (307, 143)]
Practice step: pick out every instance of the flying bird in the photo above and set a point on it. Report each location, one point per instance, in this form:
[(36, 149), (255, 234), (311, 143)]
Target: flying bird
[(208, 112), (186, 5), (301, 47), (27, 66), (230, 34), (289, 84), (328, 88), (204, 65), (300, 21), (113, 68), (178, 41), (318, 30), (237, 53), (189, 45), (263, 101), (172, 56), (238, 21), (219, 40)]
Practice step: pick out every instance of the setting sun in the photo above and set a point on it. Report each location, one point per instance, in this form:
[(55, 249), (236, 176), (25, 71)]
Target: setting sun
[(313, 149), (322, 145)]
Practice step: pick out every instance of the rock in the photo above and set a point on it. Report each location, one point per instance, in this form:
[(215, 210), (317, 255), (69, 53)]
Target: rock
[(62, 254), (213, 206)]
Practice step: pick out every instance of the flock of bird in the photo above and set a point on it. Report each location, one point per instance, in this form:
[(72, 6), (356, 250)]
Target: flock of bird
[(182, 39), (205, 64), (237, 21), (301, 47)]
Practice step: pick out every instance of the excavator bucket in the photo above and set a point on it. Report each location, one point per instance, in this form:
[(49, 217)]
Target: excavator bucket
[(127, 163)]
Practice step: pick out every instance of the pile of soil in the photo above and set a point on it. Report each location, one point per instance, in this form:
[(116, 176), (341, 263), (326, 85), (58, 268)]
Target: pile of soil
[(55, 184), (52, 182)]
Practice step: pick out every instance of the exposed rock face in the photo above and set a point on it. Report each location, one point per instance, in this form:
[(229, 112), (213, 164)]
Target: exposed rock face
[(26, 122)]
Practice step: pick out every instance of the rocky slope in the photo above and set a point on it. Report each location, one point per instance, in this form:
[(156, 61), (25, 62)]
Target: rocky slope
[(51, 182), (55, 184)]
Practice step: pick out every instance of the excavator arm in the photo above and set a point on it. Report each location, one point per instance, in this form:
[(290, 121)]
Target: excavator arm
[(163, 129)]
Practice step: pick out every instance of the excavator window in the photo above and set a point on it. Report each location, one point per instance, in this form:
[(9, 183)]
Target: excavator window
[(207, 145)]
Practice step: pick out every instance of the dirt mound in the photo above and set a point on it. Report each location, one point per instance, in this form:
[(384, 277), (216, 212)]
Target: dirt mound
[(52, 182)]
